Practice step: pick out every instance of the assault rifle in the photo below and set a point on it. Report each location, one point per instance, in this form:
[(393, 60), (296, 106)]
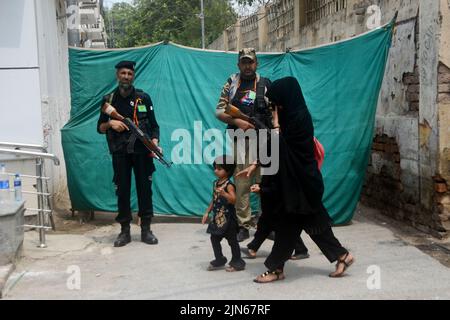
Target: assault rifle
[(148, 143), (236, 113)]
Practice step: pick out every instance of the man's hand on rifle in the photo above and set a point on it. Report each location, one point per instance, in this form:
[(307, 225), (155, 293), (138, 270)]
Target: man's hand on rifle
[(118, 126), (156, 141), (242, 124)]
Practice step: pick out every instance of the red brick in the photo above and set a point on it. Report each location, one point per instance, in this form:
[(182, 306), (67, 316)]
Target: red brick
[(383, 138), (444, 200), (378, 146), (391, 148), (444, 88), (440, 187), (444, 78), (411, 97), (438, 179), (446, 225), (413, 88), (409, 78), (414, 106), (444, 97), (443, 68)]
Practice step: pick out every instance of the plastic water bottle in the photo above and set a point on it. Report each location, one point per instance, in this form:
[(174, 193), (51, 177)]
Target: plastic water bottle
[(4, 184), (17, 187)]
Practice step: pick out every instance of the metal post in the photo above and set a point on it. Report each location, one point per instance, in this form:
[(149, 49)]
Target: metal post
[(112, 29), (39, 187), (202, 18)]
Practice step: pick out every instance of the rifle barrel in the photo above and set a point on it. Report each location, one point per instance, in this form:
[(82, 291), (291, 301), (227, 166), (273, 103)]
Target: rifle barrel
[(112, 112), (147, 142)]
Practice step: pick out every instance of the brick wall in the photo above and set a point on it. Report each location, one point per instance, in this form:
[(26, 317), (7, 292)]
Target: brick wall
[(412, 79), (442, 186), (383, 188), (385, 185), (444, 83)]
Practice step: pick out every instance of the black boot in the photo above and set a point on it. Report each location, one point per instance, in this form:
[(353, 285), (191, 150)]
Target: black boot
[(147, 235), (124, 236)]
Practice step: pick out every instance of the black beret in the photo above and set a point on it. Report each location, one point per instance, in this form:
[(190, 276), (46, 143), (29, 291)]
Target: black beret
[(126, 64)]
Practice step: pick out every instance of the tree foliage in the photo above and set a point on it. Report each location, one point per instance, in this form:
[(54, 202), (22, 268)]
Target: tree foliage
[(252, 2), (150, 21)]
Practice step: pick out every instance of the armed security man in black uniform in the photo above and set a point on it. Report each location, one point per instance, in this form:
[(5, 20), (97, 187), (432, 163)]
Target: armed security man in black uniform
[(130, 153)]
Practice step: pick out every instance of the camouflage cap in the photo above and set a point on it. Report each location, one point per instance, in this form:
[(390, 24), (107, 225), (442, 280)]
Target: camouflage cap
[(249, 53)]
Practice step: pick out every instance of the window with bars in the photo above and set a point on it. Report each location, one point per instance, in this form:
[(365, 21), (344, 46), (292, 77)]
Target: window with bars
[(318, 9), (280, 18), (232, 37), (249, 31)]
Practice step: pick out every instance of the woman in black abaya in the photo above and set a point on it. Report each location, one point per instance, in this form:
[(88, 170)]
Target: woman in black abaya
[(300, 186)]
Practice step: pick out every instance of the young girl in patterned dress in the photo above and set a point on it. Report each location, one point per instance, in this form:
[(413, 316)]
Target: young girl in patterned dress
[(224, 222)]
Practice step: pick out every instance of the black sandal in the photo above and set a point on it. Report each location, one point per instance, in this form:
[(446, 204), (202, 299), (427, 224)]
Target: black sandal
[(346, 265), (279, 274)]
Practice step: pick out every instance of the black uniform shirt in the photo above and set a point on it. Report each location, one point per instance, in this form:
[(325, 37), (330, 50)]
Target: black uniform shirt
[(125, 107)]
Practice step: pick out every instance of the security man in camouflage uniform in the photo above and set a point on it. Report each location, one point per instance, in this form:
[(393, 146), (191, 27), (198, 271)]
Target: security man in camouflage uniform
[(129, 153), (245, 90)]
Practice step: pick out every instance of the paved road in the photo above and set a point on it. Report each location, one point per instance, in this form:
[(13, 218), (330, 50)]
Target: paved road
[(175, 269)]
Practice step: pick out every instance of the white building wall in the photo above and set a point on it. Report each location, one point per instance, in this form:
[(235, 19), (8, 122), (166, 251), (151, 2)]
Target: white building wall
[(20, 110), (34, 85), (55, 87)]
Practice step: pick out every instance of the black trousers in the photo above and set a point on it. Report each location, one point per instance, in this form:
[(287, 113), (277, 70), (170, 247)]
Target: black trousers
[(286, 233), (143, 168), (266, 224), (231, 235)]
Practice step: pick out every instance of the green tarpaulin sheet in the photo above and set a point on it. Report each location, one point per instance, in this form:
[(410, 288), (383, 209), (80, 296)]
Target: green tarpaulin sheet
[(340, 81)]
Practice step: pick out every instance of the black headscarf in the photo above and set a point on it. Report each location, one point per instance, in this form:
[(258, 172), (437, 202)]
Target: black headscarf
[(286, 92), (300, 180)]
